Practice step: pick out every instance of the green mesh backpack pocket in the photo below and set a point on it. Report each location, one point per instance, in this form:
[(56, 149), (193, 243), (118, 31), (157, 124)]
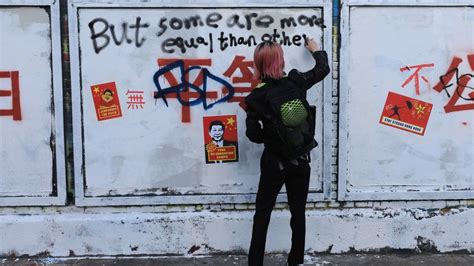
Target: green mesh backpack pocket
[(293, 113), (292, 120)]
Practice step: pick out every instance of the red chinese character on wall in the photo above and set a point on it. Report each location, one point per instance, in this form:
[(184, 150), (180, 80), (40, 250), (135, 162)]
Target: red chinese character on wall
[(13, 92), (415, 76), (185, 95), (246, 80), (461, 83), (135, 99)]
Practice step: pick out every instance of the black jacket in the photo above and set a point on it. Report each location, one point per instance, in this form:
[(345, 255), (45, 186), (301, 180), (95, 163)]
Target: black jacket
[(259, 128)]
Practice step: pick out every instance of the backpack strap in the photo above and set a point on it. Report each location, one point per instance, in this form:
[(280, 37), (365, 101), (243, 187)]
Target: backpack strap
[(260, 85)]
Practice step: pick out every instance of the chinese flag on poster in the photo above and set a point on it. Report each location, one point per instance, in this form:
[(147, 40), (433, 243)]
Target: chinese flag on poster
[(406, 113), (220, 139), (106, 101)]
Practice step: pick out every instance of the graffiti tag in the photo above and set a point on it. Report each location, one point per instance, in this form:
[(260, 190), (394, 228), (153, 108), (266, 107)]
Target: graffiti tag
[(189, 93)]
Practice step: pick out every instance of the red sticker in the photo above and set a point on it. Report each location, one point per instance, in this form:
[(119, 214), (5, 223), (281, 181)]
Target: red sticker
[(220, 139), (406, 113), (106, 101)]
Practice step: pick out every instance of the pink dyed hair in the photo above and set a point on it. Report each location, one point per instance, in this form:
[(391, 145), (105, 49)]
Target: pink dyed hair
[(268, 61)]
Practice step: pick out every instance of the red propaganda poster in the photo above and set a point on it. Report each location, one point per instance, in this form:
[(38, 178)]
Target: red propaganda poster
[(220, 139), (106, 101), (406, 113)]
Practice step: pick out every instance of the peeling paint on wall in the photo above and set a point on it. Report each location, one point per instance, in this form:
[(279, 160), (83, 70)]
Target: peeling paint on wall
[(328, 231)]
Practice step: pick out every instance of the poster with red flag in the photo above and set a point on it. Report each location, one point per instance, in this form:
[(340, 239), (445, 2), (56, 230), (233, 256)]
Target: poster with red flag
[(106, 101), (406, 113), (220, 139)]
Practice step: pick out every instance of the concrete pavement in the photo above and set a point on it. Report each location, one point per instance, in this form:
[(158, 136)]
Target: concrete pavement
[(270, 260)]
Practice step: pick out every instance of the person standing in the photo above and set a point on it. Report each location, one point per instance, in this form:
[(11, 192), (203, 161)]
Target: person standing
[(276, 167)]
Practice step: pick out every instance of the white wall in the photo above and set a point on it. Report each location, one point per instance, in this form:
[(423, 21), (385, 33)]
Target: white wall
[(377, 159), (159, 149), (26, 159), (339, 225), (125, 232)]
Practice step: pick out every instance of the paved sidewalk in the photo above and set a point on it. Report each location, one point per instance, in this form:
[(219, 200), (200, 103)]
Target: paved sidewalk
[(270, 260)]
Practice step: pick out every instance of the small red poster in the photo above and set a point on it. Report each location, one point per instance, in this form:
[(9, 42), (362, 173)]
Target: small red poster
[(220, 139), (106, 101), (406, 113)]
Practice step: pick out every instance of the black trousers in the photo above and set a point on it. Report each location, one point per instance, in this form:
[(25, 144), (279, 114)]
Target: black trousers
[(296, 180)]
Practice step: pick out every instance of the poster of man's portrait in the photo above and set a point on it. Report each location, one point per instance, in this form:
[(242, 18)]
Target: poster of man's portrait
[(220, 139)]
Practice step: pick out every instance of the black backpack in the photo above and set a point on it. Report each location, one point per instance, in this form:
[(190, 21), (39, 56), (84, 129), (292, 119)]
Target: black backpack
[(293, 119)]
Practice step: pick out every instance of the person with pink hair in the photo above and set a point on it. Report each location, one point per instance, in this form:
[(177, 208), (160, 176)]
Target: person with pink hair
[(276, 166)]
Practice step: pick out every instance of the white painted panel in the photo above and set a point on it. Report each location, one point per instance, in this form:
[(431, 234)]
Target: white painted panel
[(381, 41), (26, 159), (151, 150)]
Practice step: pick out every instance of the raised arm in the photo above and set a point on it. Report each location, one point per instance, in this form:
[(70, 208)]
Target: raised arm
[(317, 73)]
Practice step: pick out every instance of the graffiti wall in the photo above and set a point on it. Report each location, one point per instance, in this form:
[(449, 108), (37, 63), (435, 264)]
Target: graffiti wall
[(28, 118), (407, 102), (162, 93)]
